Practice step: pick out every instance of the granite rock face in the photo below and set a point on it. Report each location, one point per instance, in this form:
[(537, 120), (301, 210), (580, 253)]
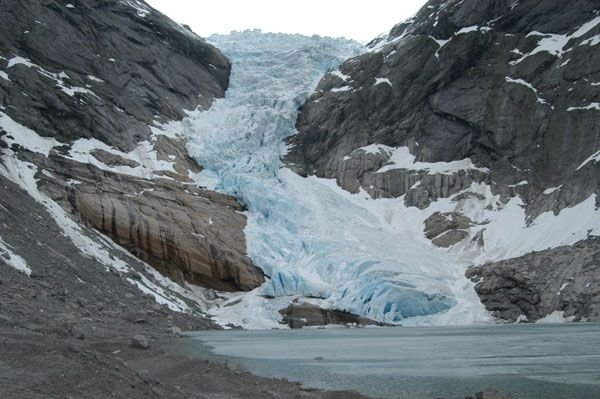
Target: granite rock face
[(99, 81), (299, 315), (565, 279), (465, 79)]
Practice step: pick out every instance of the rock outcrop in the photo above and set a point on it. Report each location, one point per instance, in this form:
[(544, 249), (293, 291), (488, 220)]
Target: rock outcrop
[(299, 315), (464, 80), (565, 279), (87, 90)]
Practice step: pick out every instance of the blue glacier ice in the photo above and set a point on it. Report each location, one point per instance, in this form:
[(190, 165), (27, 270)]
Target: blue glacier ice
[(311, 238)]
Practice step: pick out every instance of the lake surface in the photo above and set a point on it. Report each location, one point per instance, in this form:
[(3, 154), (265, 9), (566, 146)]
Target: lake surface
[(528, 361)]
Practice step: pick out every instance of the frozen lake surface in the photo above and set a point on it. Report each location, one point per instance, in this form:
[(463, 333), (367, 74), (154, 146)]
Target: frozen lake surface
[(528, 361)]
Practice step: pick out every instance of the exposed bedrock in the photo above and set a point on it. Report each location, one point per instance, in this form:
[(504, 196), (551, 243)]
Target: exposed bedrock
[(299, 315), (188, 233), (464, 79), (565, 279)]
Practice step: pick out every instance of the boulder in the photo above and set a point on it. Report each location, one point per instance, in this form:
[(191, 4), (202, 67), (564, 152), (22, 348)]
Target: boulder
[(139, 342), (530, 287)]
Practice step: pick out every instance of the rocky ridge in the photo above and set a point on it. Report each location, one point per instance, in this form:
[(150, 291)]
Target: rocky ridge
[(487, 104), (86, 93)]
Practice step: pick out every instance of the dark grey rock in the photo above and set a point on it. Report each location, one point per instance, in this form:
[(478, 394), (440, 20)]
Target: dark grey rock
[(111, 159), (140, 342), (464, 100), (491, 394), (77, 332), (565, 279), (446, 229)]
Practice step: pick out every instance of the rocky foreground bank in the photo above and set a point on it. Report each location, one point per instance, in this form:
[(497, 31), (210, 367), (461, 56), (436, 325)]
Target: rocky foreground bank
[(72, 329)]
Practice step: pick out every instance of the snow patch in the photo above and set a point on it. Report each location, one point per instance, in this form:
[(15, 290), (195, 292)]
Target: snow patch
[(12, 259), (95, 79), (592, 41), (549, 191), (382, 80), (4, 76), (57, 77), (562, 287), (340, 89), (592, 106), (529, 86), (340, 75), (26, 137), (401, 158), (555, 44), (593, 158), (141, 9), (521, 183)]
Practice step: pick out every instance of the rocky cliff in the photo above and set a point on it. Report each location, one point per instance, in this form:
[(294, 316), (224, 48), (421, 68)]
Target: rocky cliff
[(87, 89), (502, 94)]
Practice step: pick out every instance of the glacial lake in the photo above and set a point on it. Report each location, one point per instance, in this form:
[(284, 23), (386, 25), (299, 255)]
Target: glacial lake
[(527, 361)]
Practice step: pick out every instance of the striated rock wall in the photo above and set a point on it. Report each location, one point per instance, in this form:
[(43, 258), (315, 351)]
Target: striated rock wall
[(191, 234)]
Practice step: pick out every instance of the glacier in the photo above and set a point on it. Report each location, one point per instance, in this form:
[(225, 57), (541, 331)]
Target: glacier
[(311, 238)]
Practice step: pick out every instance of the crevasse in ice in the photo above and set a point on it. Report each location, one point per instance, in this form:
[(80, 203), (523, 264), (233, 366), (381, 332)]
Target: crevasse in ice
[(308, 236)]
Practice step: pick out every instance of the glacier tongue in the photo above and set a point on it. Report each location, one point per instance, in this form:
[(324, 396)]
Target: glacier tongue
[(310, 237)]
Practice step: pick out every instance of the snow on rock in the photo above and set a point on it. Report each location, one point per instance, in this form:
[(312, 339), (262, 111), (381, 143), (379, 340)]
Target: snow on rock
[(340, 89), (141, 9), (59, 78), (592, 106), (550, 190), (98, 246), (4, 76), (555, 44), (521, 183), (508, 235), (95, 79), (382, 80), (340, 75), (26, 137), (529, 86), (401, 158), (12, 259), (593, 158)]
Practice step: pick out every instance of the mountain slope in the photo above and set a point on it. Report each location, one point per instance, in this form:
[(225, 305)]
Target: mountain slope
[(491, 104), (86, 93)]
